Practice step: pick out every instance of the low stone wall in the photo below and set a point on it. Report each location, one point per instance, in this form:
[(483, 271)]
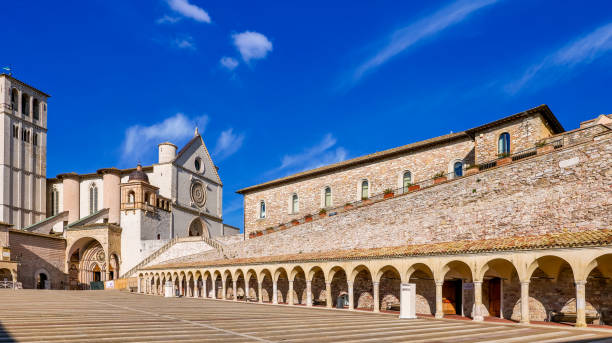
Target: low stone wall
[(37, 253)]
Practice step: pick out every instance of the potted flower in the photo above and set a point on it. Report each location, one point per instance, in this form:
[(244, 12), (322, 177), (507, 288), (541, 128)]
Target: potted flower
[(471, 170), (348, 206), (259, 233), (308, 218), (269, 230), (388, 193), (322, 213), (282, 227), (542, 147), (439, 178), (503, 158), (251, 234), (295, 222), (412, 188)]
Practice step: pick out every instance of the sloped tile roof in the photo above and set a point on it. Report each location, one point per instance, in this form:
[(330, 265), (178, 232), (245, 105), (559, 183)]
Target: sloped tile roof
[(552, 240)]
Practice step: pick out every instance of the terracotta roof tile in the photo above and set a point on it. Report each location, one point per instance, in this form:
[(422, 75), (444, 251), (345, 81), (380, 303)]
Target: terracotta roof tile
[(552, 240)]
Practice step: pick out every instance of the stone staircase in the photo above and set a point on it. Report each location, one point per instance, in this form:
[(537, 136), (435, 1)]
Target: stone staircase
[(214, 244)]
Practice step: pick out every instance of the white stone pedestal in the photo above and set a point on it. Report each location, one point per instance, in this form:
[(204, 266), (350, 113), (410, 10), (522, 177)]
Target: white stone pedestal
[(168, 289), (408, 301)]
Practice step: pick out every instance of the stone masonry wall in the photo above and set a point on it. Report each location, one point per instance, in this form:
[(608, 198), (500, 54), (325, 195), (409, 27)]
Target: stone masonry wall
[(568, 189), (524, 133), (346, 185), (36, 254)]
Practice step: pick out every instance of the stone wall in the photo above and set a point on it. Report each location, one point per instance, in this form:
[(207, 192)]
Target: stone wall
[(568, 189), (38, 253)]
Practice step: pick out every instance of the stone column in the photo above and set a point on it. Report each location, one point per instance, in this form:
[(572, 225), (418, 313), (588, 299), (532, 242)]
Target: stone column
[(309, 293), (290, 295), (139, 282), (581, 304), (235, 289), (246, 290), (376, 296), (351, 304), (180, 287), (260, 293), (274, 292), (204, 290), (223, 289), (328, 295), (524, 302), (439, 310), (477, 312)]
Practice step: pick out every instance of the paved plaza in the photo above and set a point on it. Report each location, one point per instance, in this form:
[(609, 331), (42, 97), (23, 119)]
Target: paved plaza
[(111, 316)]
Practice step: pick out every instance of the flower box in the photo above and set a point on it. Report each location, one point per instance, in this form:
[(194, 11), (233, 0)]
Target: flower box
[(308, 218), (251, 234), (295, 222), (348, 206), (269, 230), (504, 161), (439, 179), (282, 227), (388, 195), (259, 233), (413, 188), (544, 149), (322, 215)]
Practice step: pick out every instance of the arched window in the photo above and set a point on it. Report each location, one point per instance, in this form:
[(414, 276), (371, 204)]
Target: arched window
[(147, 198), (158, 236), (36, 109), (14, 99), (262, 209), (458, 169), (25, 105), (327, 195), (35, 141), (365, 189), (295, 206), (93, 199), (54, 202), (503, 144), (406, 180)]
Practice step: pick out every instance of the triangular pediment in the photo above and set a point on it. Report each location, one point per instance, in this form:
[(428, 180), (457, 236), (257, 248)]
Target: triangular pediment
[(195, 155)]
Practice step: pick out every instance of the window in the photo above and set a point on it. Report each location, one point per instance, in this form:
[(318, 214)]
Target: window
[(147, 198), (14, 99), (295, 208), (197, 164), (54, 202), (503, 144), (15, 131), (327, 195), (158, 236), (35, 140), (406, 180), (262, 209), (365, 193), (93, 199), (458, 169), (36, 109), (25, 105)]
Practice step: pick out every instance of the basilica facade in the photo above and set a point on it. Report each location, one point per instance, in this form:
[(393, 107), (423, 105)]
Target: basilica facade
[(74, 229)]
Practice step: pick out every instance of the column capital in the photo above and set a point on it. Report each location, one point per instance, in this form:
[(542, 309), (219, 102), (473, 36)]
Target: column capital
[(523, 282), (580, 282), (439, 283), (349, 282), (308, 281), (477, 282), (376, 283)]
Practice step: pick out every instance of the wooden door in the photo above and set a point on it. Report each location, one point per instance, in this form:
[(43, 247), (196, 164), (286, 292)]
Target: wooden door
[(449, 297), (494, 297)]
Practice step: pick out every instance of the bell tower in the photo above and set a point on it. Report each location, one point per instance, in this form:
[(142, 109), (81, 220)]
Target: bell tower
[(23, 152)]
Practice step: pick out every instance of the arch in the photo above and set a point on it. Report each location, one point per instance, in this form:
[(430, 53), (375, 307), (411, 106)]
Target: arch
[(114, 264), (42, 279), (36, 109), (363, 287), (598, 289), (294, 204), (501, 288), (14, 98), (25, 104), (240, 284), (327, 197), (338, 285), (87, 262), (298, 276), (252, 281), (503, 144), (282, 284), (228, 282), (266, 285), (546, 273), (198, 228), (364, 189), (456, 300), (131, 197), (422, 276), (389, 282), (316, 276)]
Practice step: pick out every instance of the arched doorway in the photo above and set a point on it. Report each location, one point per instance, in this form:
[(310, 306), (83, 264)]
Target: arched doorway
[(42, 280), (198, 228), (5, 275), (87, 264)]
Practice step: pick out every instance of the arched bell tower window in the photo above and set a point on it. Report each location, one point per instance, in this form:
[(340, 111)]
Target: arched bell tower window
[(365, 189), (25, 105), (14, 99), (503, 144), (406, 180), (36, 109), (295, 205), (328, 195), (93, 199), (54, 202)]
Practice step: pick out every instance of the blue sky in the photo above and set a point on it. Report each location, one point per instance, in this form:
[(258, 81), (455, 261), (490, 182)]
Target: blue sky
[(280, 87)]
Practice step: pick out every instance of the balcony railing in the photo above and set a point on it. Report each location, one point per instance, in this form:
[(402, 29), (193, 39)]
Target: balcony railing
[(556, 142)]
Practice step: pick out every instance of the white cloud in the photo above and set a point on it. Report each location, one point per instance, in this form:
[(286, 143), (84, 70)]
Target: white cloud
[(227, 144), (140, 141), (583, 50), (166, 19), (424, 28), (233, 206), (252, 45), (323, 153), (184, 8), (185, 43), (229, 63)]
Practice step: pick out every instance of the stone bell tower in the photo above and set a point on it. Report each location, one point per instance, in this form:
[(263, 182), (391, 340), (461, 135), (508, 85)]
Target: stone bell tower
[(23, 152)]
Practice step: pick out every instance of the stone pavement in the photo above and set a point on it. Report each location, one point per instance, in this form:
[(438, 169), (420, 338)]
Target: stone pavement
[(111, 316)]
